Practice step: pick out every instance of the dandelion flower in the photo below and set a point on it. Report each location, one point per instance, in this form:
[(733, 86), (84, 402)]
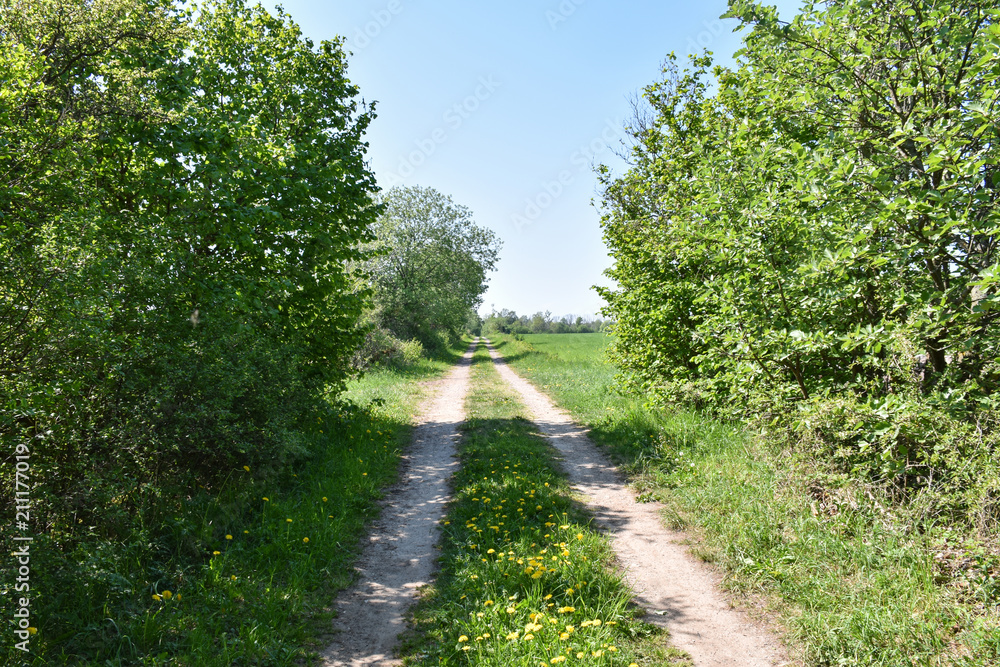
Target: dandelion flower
[(167, 595), (216, 553), (288, 520), (305, 540), (463, 638), (324, 499), (265, 499), (229, 537), (247, 468), (32, 630), (156, 597)]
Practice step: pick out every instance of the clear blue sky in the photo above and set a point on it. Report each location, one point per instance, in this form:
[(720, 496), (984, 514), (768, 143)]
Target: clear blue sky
[(493, 103)]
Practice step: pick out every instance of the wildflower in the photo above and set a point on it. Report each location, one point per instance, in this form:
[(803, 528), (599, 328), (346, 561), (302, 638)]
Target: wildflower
[(288, 520), (580, 655), (167, 595), (528, 637), (264, 499), (32, 630), (511, 610), (216, 553), (579, 536), (463, 638), (490, 551), (324, 499), (488, 603), (559, 658), (156, 597), (232, 577), (178, 597), (567, 610), (514, 635), (305, 540), (229, 537), (597, 654), (247, 468)]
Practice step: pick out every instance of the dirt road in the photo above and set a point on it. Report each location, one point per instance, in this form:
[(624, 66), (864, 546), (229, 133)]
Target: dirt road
[(400, 556), (678, 593)]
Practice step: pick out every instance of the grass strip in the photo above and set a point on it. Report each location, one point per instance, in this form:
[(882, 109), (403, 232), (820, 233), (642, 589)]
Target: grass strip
[(850, 578), (525, 580), (246, 571)]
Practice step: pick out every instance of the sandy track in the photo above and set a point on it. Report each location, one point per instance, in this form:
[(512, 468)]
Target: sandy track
[(400, 556), (683, 592)]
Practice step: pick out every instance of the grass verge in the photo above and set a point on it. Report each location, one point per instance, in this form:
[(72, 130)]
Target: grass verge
[(241, 574), (524, 580), (849, 578)]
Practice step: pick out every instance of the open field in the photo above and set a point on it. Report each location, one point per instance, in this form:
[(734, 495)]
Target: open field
[(846, 578)]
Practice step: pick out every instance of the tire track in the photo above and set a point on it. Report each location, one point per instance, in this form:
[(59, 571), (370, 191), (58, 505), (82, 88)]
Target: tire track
[(682, 593), (399, 558)]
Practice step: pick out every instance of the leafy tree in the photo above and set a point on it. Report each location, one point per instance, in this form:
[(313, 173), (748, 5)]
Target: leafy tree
[(815, 233), (431, 264), (182, 198)]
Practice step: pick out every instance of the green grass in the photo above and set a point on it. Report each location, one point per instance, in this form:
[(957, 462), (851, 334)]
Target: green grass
[(248, 570), (524, 580), (848, 579)]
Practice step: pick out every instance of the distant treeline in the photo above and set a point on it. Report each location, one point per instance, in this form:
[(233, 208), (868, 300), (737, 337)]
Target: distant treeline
[(507, 321)]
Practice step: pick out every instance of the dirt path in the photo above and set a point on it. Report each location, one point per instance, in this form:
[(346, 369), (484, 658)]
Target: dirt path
[(683, 593), (400, 556)]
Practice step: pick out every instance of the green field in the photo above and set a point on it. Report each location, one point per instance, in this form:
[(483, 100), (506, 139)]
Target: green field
[(845, 580)]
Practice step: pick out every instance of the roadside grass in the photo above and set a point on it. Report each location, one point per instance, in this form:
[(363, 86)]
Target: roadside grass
[(524, 579), (244, 573), (849, 579)]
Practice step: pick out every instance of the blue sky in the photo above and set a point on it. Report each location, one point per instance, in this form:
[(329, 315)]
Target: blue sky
[(505, 106)]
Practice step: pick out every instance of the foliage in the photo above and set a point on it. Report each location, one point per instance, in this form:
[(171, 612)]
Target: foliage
[(507, 321), (820, 224), (430, 265), (182, 197)]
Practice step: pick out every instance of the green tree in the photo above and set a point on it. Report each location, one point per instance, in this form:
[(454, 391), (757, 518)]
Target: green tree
[(815, 233), (431, 264)]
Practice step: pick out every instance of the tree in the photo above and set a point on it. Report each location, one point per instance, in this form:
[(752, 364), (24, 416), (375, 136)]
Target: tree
[(819, 227), (431, 264)]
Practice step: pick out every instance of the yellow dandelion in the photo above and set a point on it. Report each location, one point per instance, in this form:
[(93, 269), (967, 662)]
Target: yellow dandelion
[(265, 499), (216, 553), (288, 520), (32, 630), (167, 595), (156, 597), (324, 499), (463, 638), (305, 540), (528, 637), (247, 468), (229, 537)]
